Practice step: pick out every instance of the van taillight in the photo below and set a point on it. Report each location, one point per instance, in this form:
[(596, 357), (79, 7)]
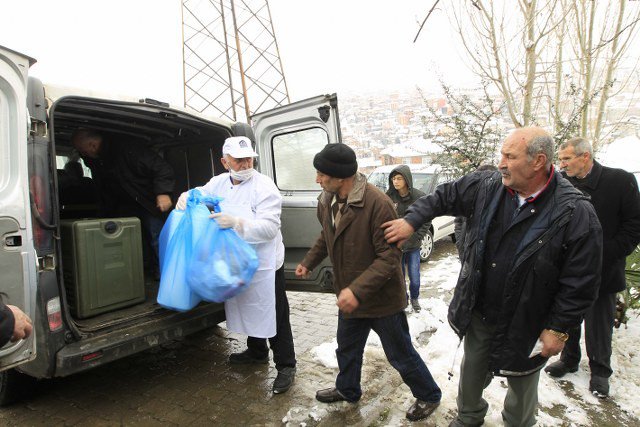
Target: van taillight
[(37, 192), (54, 315)]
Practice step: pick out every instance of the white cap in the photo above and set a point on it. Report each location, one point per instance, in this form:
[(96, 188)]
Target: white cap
[(238, 147)]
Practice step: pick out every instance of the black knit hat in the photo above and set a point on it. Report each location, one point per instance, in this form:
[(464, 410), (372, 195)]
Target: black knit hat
[(336, 160)]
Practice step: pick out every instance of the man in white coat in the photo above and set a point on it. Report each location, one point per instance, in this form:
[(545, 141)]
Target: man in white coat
[(251, 205)]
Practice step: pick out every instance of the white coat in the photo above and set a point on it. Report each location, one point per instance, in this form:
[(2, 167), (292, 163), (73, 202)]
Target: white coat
[(257, 201)]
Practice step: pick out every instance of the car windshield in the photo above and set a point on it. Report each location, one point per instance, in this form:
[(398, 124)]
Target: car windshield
[(422, 180)]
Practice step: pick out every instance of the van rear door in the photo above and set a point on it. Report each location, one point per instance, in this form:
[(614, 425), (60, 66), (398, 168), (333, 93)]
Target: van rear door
[(17, 253), (287, 139)]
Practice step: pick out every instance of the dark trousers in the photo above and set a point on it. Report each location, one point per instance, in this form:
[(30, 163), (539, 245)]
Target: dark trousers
[(598, 331), (151, 226), (394, 334), (282, 343)]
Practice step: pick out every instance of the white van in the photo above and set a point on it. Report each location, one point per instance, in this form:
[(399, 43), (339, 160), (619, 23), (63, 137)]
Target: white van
[(425, 178), (35, 130)]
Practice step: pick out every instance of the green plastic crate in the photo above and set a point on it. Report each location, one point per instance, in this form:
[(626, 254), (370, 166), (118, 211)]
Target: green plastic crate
[(102, 261)]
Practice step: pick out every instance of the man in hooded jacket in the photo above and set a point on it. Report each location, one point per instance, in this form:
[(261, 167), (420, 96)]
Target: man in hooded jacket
[(403, 195)]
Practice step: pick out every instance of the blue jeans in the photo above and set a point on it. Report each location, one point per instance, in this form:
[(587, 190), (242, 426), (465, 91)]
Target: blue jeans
[(412, 260), (394, 334)]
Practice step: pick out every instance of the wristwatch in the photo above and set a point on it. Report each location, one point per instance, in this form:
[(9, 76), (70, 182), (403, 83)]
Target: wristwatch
[(562, 336)]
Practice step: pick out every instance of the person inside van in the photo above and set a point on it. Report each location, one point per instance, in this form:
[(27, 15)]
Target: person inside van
[(402, 195), (132, 180)]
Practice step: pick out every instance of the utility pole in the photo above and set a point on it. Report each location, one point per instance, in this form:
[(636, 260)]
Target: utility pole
[(231, 61)]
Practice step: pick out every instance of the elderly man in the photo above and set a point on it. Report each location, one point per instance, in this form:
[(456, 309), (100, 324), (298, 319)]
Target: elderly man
[(367, 280), (615, 197), (251, 204), (530, 271)]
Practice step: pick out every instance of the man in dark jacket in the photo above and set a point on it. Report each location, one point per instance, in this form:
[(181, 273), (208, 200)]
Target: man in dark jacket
[(530, 271), (14, 324), (132, 181), (367, 280), (402, 194), (615, 197)]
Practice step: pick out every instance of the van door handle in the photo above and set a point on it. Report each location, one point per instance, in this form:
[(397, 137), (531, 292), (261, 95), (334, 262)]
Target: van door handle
[(13, 241)]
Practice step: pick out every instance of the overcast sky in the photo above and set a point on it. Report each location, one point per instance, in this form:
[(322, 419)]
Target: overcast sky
[(135, 46)]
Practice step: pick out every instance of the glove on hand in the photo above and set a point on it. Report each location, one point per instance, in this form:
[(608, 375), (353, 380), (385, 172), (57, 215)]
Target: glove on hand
[(228, 221), (181, 204)]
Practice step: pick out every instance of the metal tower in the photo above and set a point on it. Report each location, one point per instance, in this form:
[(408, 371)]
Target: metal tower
[(231, 61)]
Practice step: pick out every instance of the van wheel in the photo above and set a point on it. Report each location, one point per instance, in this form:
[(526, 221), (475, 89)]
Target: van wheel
[(14, 386), (426, 247)]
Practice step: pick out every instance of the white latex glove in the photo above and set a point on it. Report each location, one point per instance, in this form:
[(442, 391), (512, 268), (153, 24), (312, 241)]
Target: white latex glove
[(181, 204), (228, 221)]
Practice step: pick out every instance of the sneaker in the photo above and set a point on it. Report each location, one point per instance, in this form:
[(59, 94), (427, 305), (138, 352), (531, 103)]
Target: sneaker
[(246, 358), (559, 369), (415, 305), (599, 386), (421, 410), (284, 380)]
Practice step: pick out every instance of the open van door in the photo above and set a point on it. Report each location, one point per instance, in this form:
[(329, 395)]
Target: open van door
[(17, 253), (287, 139)]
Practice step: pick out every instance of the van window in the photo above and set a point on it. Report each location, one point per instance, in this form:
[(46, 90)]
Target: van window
[(61, 161), (293, 158)]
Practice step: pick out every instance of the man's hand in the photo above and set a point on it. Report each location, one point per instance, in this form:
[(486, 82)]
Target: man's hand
[(347, 301), (227, 221), (552, 345), (302, 271), (397, 230), (163, 202), (22, 326), (181, 204)]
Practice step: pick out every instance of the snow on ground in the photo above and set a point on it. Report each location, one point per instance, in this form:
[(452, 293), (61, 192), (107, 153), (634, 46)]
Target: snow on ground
[(443, 354)]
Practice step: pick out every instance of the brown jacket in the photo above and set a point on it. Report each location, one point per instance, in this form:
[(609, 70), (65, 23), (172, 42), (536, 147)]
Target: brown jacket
[(361, 257)]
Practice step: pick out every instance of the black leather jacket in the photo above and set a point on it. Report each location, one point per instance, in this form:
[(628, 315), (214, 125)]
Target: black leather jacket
[(554, 274)]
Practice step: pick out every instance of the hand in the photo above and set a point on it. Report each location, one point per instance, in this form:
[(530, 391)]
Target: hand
[(163, 202), (552, 345), (302, 271), (347, 301), (397, 230), (227, 221), (23, 326), (181, 204)]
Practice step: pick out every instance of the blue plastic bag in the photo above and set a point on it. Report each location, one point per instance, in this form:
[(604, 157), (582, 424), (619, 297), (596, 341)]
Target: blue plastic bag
[(178, 238), (222, 265)]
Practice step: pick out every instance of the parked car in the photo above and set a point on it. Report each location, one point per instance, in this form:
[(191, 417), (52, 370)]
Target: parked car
[(82, 323), (425, 178)]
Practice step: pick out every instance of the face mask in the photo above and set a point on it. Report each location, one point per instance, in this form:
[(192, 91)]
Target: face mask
[(241, 175)]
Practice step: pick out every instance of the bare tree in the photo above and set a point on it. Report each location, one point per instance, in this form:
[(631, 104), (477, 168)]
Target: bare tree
[(555, 62)]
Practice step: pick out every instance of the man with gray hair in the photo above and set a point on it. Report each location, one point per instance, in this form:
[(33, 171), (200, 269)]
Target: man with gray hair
[(615, 197), (530, 270)]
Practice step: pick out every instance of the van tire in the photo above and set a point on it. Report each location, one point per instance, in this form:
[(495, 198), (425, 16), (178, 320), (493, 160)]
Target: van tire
[(14, 386)]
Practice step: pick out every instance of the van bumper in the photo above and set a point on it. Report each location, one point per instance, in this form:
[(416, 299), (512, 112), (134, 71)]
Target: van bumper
[(91, 352)]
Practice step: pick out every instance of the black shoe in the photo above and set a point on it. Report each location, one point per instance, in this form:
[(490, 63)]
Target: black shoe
[(559, 369), (246, 358), (415, 305), (421, 410), (457, 423), (329, 395), (599, 386), (284, 380)]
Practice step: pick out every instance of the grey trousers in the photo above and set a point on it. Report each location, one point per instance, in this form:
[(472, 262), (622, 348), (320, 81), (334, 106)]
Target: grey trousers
[(598, 331), (521, 401)]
